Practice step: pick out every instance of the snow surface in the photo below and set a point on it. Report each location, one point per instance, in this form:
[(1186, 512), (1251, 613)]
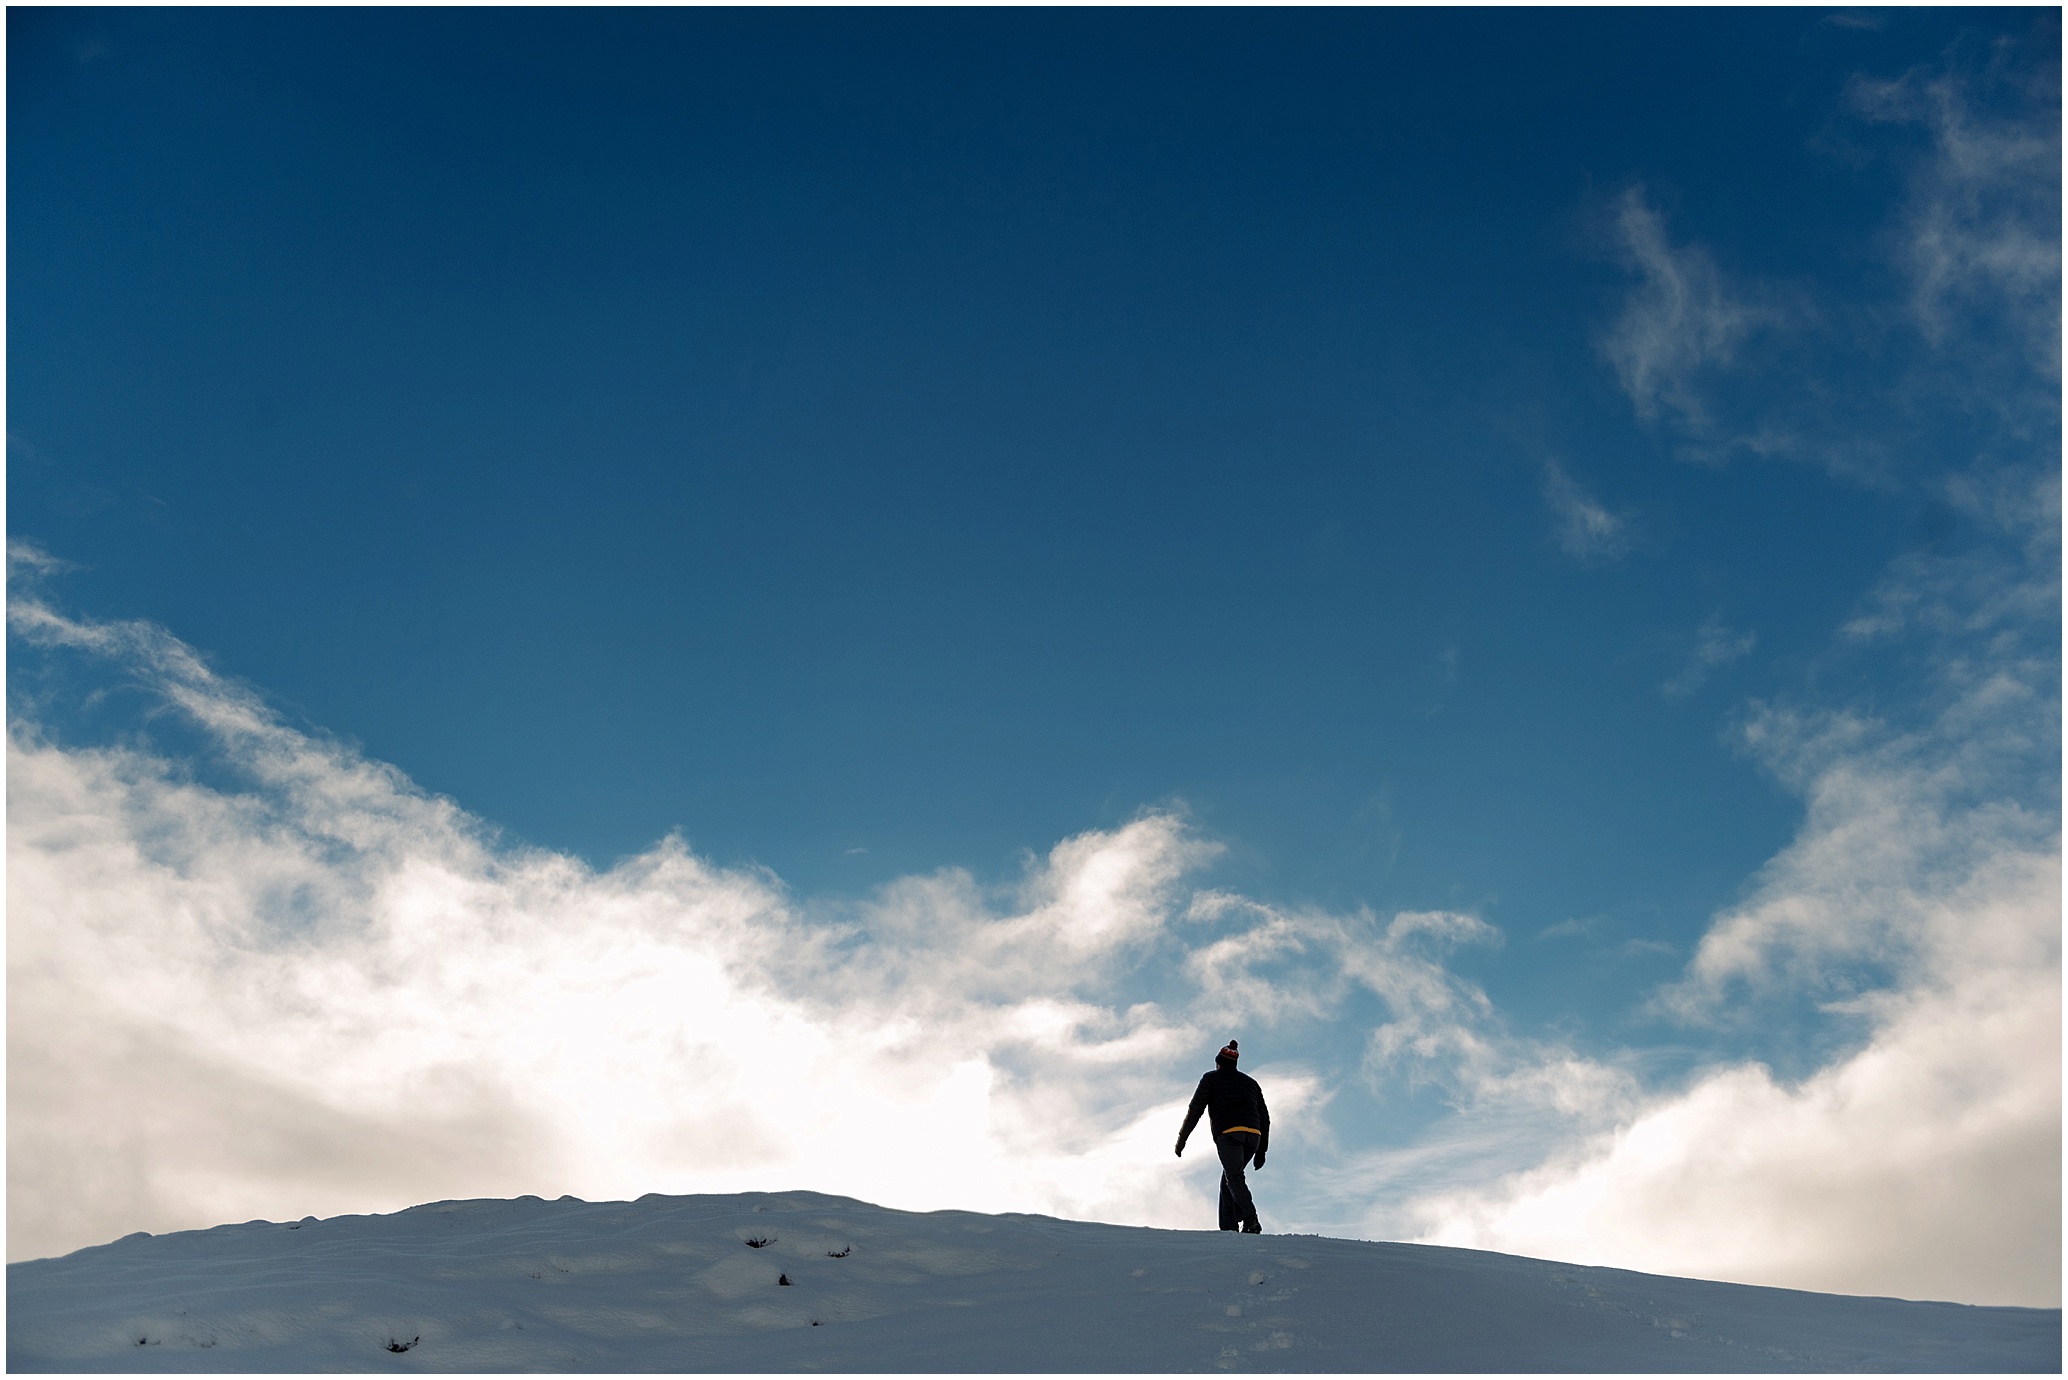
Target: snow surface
[(674, 1284)]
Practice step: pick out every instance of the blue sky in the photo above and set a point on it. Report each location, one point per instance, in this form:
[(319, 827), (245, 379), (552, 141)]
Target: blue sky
[(1517, 467)]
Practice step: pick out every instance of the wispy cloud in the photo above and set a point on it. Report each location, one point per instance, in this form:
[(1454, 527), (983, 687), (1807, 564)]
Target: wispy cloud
[(1680, 322), (28, 562), (1716, 645), (1731, 365), (2004, 590), (1585, 528), (1981, 231)]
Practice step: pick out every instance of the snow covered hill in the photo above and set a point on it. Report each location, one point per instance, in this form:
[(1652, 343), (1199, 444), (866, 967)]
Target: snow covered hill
[(698, 1283)]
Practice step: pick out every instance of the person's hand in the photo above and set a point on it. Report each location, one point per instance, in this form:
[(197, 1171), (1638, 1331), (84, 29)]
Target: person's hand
[(1260, 1159), (1181, 1148)]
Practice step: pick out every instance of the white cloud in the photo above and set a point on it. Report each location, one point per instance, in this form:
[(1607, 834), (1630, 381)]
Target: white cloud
[(326, 991), (1896, 865), (1585, 528), (328, 996), (1928, 1165), (322, 990), (1921, 906)]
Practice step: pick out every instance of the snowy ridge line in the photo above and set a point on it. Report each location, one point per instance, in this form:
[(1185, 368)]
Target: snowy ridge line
[(809, 1281)]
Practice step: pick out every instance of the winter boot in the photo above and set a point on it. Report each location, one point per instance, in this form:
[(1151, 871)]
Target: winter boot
[(1251, 1225)]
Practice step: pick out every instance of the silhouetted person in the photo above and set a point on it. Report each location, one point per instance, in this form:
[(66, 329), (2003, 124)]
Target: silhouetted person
[(1241, 1124)]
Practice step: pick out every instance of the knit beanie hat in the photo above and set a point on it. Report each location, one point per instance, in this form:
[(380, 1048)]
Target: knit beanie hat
[(1231, 1054)]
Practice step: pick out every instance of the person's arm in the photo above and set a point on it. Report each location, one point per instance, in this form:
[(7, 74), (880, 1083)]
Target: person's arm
[(1192, 1114), (1263, 1127)]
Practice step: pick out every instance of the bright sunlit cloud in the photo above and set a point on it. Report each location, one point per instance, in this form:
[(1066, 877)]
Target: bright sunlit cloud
[(326, 991)]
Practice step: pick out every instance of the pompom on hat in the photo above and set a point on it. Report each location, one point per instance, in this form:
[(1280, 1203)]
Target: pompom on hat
[(1231, 1054)]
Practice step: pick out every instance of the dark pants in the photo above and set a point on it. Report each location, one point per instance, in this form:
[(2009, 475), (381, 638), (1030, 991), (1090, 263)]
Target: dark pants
[(1236, 1206)]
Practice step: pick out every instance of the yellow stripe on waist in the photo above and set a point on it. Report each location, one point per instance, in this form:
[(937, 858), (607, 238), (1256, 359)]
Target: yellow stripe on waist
[(1233, 1129)]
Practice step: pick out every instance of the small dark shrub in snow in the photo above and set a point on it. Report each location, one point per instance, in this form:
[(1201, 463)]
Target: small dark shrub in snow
[(394, 1345), (757, 1242), (840, 1254), (782, 1279)]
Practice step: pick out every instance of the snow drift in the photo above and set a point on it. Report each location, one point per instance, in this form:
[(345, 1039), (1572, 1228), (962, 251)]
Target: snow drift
[(807, 1281)]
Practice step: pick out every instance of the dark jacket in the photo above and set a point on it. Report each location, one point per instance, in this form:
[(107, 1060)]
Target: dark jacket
[(1229, 1097)]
